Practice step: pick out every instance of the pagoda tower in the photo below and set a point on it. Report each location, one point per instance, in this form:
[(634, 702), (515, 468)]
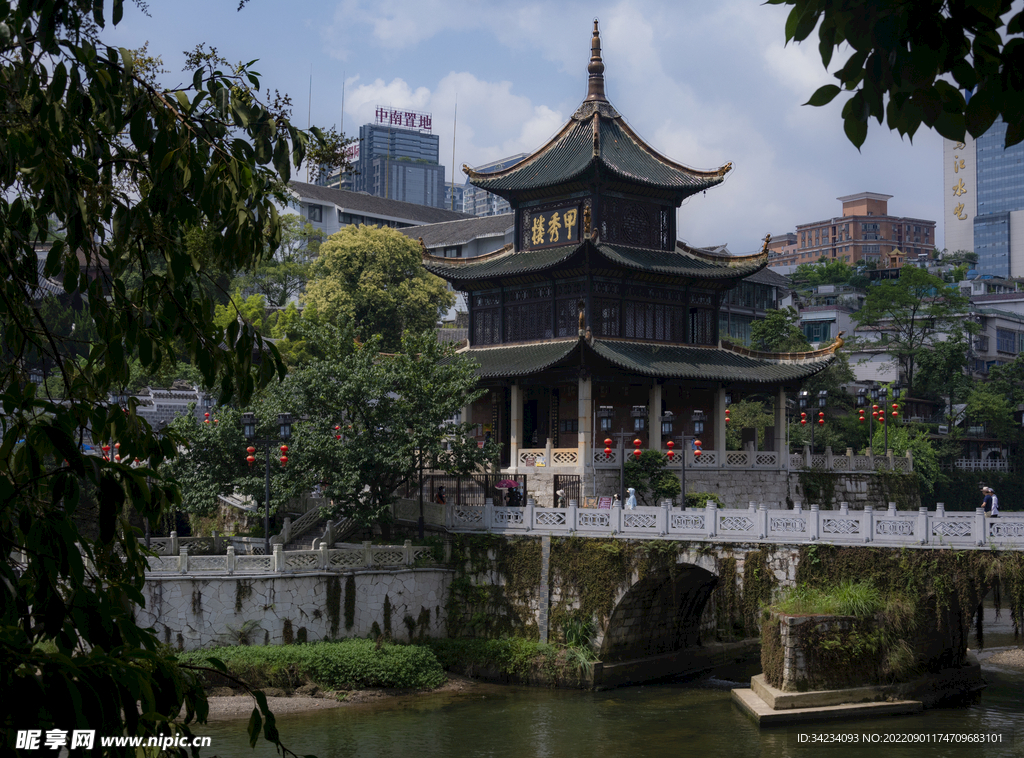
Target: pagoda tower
[(596, 323)]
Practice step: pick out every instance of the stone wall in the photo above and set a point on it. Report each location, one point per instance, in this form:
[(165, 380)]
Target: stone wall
[(190, 612)]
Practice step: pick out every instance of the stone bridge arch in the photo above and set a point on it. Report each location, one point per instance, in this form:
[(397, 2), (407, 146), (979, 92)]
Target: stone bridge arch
[(659, 613)]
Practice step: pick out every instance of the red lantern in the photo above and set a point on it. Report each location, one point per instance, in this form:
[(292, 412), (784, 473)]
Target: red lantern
[(874, 407), (670, 444), (250, 459), (698, 443), (117, 445), (671, 454), (250, 450), (216, 420), (336, 427), (821, 422), (337, 436), (637, 442), (862, 418), (697, 453), (284, 460), (895, 414), (608, 452), (117, 458), (207, 415), (895, 406), (284, 448), (607, 441), (106, 448), (874, 414)]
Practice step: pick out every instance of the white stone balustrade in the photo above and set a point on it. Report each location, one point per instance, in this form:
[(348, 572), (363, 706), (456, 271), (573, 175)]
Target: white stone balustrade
[(325, 558), (756, 523)]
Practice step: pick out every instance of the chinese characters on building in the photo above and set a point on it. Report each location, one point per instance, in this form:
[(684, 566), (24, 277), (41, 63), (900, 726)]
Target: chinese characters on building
[(403, 119), (959, 189), (554, 227)]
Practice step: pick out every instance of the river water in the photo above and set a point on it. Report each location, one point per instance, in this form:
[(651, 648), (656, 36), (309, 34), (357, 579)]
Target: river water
[(684, 718)]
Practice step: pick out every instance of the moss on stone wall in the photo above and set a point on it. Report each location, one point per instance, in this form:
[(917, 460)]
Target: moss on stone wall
[(334, 604), (772, 654), (350, 602), (479, 606), (759, 583)]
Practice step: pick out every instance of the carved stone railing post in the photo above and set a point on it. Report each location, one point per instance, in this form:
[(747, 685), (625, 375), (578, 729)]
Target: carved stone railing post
[(407, 547), (762, 521), (231, 559), (488, 514), (814, 523), (807, 457), (367, 554), (828, 457), (173, 549), (183, 560), (868, 522), (922, 522), (891, 460), (711, 521), (278, 558), (325, 554), (980, 526)]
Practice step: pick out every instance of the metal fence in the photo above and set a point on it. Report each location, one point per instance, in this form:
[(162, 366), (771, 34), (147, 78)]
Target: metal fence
[(474, 489), (571, 487)]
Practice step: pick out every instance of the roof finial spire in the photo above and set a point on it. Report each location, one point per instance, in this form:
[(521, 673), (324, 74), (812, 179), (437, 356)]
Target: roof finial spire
[(595, 85)]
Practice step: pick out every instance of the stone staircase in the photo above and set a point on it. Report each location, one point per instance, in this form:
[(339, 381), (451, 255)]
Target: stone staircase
[(307, 531)]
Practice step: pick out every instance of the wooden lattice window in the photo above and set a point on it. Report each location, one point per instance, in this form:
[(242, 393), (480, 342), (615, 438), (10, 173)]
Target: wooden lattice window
[(485, 326), (606, 317), (527, 321), (702, 326)]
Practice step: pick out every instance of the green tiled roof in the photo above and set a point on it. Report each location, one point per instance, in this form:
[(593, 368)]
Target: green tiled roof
[(666, 361), (509, 263), (676, 262), (707, 363), (597, 140), (502, 263), (519, 360)]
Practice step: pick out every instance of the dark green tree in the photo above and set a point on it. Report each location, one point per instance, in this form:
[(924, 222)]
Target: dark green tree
[(281, 275), (124, 170), (779, 332), (902, 56), (650, 477)]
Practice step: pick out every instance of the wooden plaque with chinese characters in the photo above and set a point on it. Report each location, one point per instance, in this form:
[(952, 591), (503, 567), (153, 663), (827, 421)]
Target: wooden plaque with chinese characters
[(552, 227)]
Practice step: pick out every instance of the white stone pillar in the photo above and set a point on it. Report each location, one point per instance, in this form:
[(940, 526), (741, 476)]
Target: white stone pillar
[(654, 416), (516, 431), (719, 422), (585, 424), (780, 429)]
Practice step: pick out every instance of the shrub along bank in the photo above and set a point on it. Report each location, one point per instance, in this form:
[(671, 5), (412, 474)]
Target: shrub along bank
[(340, 665)]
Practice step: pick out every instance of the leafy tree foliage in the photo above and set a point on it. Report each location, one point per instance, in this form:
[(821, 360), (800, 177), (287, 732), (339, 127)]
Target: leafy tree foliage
[(779, 332), (282, 275), (747, 414), (375, 277), (651, 477), (912, 314), (389, 410), (124, 169), (902, 55)]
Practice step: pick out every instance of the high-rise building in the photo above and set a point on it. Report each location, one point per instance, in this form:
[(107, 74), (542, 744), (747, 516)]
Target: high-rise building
[(398, 159), (479, 202), (865, 232), (984, 201)]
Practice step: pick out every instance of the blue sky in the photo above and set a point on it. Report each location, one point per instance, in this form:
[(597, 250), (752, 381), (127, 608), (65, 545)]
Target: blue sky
[(703, 82)]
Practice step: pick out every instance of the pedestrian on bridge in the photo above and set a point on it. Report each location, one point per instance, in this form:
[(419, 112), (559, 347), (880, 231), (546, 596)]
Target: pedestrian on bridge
[(991, 503)]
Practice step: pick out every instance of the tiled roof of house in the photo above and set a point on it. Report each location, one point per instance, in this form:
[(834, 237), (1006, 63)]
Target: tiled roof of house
[(371, 204), (462, 231)]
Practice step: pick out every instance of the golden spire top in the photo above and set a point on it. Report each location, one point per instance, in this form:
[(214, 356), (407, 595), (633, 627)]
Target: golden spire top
[(595, 85)]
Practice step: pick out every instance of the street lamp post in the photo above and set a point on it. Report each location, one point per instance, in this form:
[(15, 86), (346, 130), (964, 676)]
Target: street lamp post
[(284, 429), (804, 398), (822, 400), (884, 417), (873, 391)]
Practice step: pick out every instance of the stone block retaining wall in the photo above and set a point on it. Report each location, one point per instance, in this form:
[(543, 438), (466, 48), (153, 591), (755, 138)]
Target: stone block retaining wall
[(191, 612)]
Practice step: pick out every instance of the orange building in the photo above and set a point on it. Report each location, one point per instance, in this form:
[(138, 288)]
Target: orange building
[(865, 232)]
